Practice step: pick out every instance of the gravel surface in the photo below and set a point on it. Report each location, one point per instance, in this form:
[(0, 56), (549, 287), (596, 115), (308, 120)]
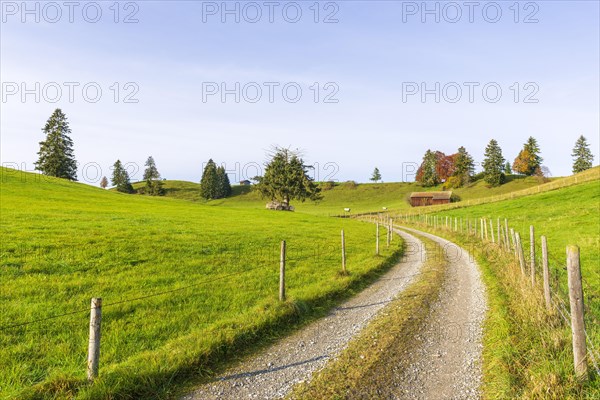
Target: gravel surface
[(446, 362), (271, 373)]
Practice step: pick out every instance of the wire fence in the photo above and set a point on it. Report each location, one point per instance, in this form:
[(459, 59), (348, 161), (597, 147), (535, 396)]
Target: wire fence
[(324, 257), (590, 175), (499, 233)]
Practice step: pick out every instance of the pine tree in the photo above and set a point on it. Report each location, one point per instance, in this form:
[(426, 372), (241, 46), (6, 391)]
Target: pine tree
[(209, 184), (582, 155), (103, 182), (427, 173), (493, 164), (376, 176), (286, 178), (56, 156), (152, 178), (120, 178), (224, 186), (464, 166), (528, 162), (507, 168)]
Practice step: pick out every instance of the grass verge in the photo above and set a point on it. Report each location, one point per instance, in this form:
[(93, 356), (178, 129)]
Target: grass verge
[(527, 351), (363, 369)]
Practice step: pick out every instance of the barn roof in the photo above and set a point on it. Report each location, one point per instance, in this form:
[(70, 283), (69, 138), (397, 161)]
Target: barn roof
[(432, 195)]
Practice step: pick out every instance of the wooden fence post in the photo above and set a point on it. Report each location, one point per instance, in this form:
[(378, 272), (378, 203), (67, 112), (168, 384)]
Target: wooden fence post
[(389, 234), (94, 343), (514, 241), (577, 322), (508, 247), (546, 273), (485, 228), (343, 253), (532, 253), (391, 230), (520, 252), (492, 230), (498, 232), (282, 271), (377, 239), (481, 227)]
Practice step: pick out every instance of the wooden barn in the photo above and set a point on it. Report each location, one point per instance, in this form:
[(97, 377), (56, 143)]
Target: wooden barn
[(418, 199)]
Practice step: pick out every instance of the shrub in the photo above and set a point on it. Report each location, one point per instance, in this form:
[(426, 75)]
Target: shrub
[(327, 185)]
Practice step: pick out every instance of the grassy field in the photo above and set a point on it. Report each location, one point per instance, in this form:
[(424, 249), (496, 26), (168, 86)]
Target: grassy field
[(211, 274), (528, 352), (364, 197), (565, 216)]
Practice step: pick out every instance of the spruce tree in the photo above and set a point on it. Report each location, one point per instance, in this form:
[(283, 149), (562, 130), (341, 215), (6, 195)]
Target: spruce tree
[(528, 162), (582, 155), (120, 178), (493, 164), (152, 178), (209, 184), (507, 168), (103, 182), (224, 186), (376, 176), (464, 167), (56, 156), (427, 174)]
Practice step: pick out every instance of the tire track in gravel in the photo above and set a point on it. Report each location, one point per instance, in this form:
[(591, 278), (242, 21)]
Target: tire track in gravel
[(446, 360), (272, 372)]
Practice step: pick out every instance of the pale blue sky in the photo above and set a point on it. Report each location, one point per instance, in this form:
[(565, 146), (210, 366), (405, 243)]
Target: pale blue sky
[(368, 54)]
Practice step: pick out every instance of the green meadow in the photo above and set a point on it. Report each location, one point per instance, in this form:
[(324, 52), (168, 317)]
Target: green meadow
[(360, 198), (565, 216), (188, 284), (184, 285)]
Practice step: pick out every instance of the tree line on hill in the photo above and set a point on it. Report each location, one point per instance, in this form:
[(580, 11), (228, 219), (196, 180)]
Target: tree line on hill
[(56, 158), (286, 176), (457, 170)]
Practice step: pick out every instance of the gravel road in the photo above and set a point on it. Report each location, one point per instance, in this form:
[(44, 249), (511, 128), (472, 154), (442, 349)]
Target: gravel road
[(446, 362), (271, 373)]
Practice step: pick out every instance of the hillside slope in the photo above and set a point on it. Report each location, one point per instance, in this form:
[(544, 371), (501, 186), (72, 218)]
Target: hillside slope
[(173, 274), (566, 216), (359, 198)]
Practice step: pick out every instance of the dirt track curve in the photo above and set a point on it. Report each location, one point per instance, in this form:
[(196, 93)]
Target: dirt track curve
[(444, 366)]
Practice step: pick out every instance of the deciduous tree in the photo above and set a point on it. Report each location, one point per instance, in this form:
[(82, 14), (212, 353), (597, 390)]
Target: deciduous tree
[(528, 162), (286, 178), (103, 182)]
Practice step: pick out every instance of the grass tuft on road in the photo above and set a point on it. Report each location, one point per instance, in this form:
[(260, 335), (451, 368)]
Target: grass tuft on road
[(368, 367)]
